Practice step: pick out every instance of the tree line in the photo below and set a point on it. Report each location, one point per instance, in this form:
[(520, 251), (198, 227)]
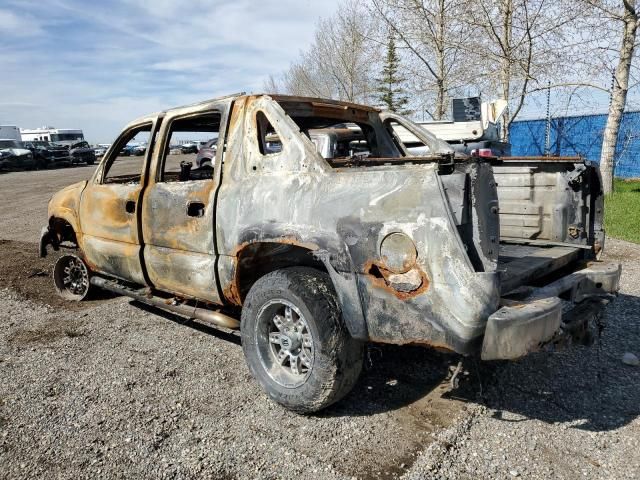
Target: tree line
[(413, 56)]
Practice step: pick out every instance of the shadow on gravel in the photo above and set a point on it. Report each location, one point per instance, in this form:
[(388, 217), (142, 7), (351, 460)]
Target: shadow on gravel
[(394, 377), (588, 387)]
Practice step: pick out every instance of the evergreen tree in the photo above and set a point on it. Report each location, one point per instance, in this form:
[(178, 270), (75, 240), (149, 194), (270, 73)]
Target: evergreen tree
[(391, 92)]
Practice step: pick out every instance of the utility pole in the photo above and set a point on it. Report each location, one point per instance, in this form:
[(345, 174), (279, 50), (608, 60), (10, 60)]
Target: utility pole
[(547, 132)]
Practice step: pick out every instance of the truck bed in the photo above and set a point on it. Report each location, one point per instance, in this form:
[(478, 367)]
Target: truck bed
[(520, 264)]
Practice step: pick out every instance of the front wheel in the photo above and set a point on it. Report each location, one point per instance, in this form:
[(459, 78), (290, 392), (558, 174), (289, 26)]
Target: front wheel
[(71, 278), (295, 341)]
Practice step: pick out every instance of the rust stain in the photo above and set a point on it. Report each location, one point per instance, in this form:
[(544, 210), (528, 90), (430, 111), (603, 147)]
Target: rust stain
[(378, 274), (232, 291), (285, 240)]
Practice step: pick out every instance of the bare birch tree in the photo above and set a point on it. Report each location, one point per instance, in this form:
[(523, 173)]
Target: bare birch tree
[(431, 32), (272, 85), (524, 42), (625, 15), (342, 61)]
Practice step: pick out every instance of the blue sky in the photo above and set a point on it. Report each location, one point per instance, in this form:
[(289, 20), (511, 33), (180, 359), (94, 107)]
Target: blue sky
[(96, 66)]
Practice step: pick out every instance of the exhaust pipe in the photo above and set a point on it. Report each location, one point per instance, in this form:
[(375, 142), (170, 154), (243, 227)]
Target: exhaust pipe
[(203, 314)]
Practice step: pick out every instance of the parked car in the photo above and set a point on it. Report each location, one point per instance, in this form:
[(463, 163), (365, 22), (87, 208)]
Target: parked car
[(99, 150), (321, 255), (47, 154), (7, 160), (15, 156), (81, 152), (139, 150), (207, 153), (189, 147), (126, 151)]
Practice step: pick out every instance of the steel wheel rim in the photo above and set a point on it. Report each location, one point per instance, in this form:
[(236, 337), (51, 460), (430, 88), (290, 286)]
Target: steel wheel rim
[(71, 277), (285, 344)]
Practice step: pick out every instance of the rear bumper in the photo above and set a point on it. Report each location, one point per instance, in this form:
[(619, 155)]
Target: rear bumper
[(523, 326)]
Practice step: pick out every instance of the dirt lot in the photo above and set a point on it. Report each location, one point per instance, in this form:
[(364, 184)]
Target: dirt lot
[(112, 389)]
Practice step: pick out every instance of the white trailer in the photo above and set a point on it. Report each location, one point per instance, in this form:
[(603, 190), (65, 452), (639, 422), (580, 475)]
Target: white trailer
[(10, 132), (51, 134)]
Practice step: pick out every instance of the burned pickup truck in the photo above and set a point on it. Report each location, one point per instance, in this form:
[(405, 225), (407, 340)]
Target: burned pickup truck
[(312, 251)]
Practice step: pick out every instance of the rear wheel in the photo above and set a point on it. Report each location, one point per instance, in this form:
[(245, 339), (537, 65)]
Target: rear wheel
[(71, 278), (295, 342)]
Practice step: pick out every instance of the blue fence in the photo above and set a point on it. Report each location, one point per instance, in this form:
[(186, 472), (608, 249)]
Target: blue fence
[(580, 135)]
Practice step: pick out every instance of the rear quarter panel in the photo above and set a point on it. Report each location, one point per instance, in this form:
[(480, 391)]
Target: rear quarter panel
[(343, 215)]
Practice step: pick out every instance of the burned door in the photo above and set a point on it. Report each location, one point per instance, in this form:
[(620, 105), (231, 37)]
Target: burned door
[(178, 206), (109, 207)]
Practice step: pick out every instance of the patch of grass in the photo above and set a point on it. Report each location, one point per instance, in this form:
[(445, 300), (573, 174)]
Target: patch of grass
[(622, 211)]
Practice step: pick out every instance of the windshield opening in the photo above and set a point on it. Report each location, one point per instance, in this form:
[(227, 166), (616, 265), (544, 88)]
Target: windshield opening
[(66, 137)]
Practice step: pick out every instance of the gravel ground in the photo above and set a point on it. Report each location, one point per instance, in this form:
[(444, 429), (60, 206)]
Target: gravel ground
[(112, 389), (118, 390), (570, 414)]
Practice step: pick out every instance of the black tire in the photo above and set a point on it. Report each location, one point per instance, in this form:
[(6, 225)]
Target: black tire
[(336, 358)]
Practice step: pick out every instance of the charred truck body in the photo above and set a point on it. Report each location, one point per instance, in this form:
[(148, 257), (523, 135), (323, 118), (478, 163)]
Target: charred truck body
[(311, 257)]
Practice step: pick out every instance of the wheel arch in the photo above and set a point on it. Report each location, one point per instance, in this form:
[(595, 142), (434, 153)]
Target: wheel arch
[(256, 259), (59, 229)]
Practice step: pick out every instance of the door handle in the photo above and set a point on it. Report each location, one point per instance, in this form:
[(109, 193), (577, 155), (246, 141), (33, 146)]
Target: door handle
[(130, 206), (195, 209)]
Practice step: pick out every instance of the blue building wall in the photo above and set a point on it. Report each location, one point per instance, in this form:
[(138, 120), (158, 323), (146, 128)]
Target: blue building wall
[(580, 135)]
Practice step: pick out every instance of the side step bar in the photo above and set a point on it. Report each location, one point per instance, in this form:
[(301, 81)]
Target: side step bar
[(203, 314)]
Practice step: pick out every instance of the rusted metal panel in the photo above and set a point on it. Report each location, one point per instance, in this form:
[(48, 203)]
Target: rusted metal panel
[(187, 274), (103, 212), (165, 222), (65, 205), (110, 241), (119, 259), (347, 213), (544, 200), (108, 229), (179, 251)]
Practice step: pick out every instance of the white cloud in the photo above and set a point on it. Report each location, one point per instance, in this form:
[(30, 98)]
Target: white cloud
[(97, 66), (180, 64), (18, 25)]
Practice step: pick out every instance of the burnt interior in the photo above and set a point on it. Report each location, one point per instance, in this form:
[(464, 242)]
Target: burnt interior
[(348, 136)]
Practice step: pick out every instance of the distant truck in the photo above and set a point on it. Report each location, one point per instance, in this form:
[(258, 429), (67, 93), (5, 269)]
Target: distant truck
[(10, 132), (473, 129)]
